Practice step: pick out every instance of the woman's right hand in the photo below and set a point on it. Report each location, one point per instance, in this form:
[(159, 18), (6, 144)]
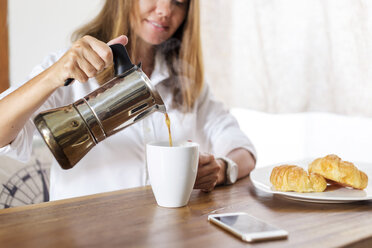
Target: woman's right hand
[(85, 59)]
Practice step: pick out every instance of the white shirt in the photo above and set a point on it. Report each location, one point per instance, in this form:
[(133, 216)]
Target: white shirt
[(119, 161)]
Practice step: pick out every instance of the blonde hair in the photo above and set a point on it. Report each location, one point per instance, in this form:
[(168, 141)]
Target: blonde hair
[(182, 51)]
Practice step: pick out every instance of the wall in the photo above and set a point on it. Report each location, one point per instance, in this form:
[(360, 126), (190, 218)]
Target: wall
[(39, 27), (290, 55), (273, 56)]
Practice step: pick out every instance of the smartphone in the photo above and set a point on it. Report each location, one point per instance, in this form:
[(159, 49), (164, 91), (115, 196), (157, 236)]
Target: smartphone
[(247, 227)]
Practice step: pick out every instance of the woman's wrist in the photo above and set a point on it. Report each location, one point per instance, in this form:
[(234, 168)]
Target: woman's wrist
[(51, 79), (222, 173)]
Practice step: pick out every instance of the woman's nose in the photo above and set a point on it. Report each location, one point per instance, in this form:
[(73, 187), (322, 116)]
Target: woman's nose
[(163, 8)]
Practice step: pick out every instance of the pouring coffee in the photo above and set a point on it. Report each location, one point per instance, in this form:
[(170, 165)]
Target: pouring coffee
[(72, 131)]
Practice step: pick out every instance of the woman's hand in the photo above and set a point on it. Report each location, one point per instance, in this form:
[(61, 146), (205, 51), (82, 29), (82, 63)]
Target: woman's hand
[(211, 172), (85, 59)]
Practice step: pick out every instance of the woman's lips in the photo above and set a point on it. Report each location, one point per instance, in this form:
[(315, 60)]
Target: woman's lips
[(157, 25)]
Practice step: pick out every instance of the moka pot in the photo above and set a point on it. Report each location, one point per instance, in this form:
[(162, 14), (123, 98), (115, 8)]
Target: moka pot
[(72, 131)]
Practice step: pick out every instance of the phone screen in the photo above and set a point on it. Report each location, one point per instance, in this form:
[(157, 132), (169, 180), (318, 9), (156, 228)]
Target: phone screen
[(245, 223)]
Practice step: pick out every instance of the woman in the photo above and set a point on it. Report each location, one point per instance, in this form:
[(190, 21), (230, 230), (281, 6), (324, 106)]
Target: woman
[(164, 36)]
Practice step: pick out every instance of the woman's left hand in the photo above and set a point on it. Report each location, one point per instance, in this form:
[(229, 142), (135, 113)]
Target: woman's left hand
[(210, 172)]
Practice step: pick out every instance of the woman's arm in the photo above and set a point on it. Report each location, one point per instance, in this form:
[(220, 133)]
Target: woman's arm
[(17, 107), (221, 130), (85, 59)]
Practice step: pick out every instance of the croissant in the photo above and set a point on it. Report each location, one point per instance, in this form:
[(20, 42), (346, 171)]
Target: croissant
[(342, 172), (294, 178)]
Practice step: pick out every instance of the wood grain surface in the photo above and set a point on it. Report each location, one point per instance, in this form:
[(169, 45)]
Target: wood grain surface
[(131, 218)]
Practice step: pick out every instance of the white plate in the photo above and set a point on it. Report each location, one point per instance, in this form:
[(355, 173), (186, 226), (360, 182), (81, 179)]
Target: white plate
[(333, 194)]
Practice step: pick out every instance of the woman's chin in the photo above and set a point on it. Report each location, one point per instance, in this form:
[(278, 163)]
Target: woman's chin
[(154, 40)]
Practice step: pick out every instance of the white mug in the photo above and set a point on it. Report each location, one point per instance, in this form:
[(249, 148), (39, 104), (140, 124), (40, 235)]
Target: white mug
[(172, 171)]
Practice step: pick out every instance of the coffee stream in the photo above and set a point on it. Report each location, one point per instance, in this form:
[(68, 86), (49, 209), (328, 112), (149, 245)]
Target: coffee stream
[(167, 121)]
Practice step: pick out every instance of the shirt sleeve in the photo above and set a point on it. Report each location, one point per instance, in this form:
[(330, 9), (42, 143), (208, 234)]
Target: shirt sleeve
[(217, 126), (21, 147)]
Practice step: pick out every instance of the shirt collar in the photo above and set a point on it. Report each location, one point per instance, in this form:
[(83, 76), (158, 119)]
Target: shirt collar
[(161, 71)]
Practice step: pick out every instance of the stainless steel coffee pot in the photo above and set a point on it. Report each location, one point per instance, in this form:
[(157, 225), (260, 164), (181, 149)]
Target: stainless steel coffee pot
[(71, 131)]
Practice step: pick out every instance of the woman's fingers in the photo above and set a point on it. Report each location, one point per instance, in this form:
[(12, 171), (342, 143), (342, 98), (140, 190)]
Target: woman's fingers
[(79, 74), (86, 58), (207, 169), (87, 68), (95, 60), (205, 158), (207, 176), (207, 183), (211, 178), (122, 39), (206, 187), (100, 48)]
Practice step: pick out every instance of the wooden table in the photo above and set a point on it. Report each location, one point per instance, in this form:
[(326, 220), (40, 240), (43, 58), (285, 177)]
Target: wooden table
[(131, 218)]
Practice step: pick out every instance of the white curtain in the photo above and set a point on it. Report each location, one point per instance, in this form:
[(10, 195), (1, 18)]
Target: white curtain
[(290, 55)]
